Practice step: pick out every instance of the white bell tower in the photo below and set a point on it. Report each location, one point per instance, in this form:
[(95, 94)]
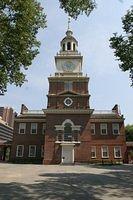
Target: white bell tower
[(68, 60)]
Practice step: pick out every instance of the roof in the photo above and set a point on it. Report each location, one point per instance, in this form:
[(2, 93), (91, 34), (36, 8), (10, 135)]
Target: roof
[(5, 142), (106, 114), (129, 144)]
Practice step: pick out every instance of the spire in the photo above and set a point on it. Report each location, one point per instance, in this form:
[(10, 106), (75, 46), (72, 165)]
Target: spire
[(69, 43), (69, 21), (69, 32)]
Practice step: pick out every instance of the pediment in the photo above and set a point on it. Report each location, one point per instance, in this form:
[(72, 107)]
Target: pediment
[(68, 93)]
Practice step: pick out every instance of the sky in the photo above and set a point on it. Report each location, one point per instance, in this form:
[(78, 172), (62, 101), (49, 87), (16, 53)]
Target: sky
[(108, 85)]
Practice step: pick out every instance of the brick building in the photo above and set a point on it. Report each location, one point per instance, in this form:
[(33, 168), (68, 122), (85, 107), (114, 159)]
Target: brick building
[(6, 136), (7, 115), (68, 130)]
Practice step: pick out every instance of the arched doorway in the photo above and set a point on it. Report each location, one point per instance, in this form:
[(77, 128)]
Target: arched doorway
[(67, 137)]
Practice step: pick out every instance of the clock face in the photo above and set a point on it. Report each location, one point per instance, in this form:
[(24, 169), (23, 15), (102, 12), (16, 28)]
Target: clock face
[(68, 101), (68, 66)]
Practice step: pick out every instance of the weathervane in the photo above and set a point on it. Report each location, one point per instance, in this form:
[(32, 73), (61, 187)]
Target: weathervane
[(69, 21)]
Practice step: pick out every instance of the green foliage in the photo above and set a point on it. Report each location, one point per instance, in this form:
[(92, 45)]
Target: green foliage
[(129, 132), (19, 24), (123, 44), (76, 7)]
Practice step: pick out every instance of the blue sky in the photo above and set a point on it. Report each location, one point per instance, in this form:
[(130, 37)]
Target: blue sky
[(108, 84)]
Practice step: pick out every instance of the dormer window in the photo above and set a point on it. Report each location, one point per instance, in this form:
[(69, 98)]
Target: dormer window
[(69, 46), (63, 47)]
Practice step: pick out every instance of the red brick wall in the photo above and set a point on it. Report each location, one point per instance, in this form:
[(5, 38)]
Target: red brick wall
[(26, 140), (82, 150)]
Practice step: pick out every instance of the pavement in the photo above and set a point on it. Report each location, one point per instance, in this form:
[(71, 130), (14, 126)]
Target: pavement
[(65, 182)]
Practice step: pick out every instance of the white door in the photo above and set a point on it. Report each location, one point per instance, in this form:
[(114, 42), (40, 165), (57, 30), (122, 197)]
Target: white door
[(67, 154)]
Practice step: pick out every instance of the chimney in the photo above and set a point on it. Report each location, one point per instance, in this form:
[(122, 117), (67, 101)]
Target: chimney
[(23, 108), (116, 109)]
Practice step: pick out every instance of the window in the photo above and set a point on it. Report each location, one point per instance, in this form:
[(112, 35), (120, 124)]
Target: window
[(33, 128), (69, 46), (22, 128), (32, 150), (117, 152), (68, 85), (93, 152), (74, 48), (93, 129), (105, 152), (103, 129), (63, 46), (115, 128), (59, 137), (43, 128), (68, 132), (20, 151), (42, 151)]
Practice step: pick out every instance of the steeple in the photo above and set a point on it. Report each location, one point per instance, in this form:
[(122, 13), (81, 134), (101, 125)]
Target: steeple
[(68, 61), (69, 44)]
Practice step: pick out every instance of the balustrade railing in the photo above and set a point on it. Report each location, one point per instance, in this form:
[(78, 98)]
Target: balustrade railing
[(67, 138)]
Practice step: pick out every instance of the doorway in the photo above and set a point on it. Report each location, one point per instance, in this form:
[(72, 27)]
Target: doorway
[(67, 153)]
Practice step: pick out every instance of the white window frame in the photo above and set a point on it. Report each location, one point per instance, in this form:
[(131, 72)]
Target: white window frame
[(113, 128), (21, 127), (43, 128), (93, 127), (115, 156), (42, 151), (20, 156), (103, 124), (103, 152), (29, 154), (93, 148), (35, 129)]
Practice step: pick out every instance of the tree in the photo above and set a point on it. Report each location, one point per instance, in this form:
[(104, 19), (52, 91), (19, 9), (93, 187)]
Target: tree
[(123, 44), (129, 132), (19, 24), (20, 21), (76, 7)]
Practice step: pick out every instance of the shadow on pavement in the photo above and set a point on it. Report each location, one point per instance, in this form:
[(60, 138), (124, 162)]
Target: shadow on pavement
[(73, 186)]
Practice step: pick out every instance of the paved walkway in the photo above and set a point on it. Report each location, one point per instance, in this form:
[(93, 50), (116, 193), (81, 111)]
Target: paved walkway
[(78, 182)]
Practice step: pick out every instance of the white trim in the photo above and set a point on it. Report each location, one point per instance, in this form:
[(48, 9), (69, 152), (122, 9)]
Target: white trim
[(93, 148), (30, 152), (113, 128), (68, 99), (103, 124), (116, 151), (35, 129), (22, 151), (106, 151), (22, 124)]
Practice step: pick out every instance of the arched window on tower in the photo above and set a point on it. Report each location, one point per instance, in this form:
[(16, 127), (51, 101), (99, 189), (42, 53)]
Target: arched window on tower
[(63, 48), (68, 132), (74, 47), (69, 46)]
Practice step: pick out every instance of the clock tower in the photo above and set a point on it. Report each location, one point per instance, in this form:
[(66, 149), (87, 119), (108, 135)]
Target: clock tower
[(68, 111), (69, 60)]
